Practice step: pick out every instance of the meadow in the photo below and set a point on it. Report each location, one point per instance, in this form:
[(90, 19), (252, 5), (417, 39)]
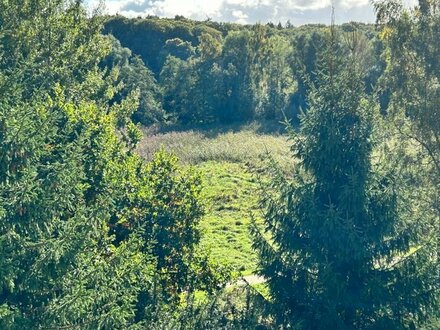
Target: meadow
[(230, 160)]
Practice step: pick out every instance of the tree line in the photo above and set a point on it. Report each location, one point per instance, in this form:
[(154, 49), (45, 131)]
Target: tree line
[(205, 73)]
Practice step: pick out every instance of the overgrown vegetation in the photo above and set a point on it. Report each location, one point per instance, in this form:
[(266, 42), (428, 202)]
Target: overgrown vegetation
[(237, 144)]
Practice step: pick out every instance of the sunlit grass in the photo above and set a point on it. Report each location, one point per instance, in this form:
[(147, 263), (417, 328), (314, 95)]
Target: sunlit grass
[(196, 147), (231, 194), (227, 160)]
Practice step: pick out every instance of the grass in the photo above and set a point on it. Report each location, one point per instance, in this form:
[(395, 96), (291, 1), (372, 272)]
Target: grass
[(224, 157), (231, 193), (219, 144)]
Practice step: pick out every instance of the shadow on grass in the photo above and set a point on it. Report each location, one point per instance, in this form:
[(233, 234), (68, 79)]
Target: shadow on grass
[(212, 131)]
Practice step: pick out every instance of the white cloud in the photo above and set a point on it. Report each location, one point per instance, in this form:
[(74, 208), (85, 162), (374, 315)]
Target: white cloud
[(246, 11), (191, 8), (287, 4), (346, 4), (240, 16)]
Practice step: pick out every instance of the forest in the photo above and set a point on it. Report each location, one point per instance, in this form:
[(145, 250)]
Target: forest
[(167, 173)]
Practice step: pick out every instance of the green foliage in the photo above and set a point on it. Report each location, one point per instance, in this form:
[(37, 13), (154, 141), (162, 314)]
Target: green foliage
[(172, 220), (276, 83), (242, 78), (152, 38), (177, 79), (92, 236), (236, 308), (134, 76), (309, 51), (56, 202), (226, 161), (55, 142), (87, 229), (413, 73), (212, 72), (178, 48), (238, 84), (346, 249)]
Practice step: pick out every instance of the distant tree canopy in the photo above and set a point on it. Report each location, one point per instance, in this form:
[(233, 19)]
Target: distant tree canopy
[(150, 38), (209, 72)]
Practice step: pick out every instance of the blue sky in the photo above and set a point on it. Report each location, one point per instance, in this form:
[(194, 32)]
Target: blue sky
[(248, 11)]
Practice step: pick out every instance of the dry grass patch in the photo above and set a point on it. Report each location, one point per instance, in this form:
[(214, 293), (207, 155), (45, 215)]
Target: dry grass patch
[(196, 147)]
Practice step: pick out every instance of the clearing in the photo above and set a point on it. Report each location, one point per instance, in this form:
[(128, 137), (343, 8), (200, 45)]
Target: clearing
[(229, 159)]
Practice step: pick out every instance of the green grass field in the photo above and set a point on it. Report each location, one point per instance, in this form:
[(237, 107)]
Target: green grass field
[(227, 161), (231, 194)]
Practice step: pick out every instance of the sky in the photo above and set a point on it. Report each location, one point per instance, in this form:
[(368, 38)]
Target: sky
[(298, 12)]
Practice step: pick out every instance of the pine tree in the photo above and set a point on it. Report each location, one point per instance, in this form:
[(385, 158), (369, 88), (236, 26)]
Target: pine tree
[(336, 251), (58, 149)]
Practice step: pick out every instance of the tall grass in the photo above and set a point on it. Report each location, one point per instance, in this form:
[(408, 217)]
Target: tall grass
[(198, 146)]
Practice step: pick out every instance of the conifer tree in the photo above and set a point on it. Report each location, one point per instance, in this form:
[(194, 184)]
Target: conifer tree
[(68, 174), (59, 156), (339, 242)]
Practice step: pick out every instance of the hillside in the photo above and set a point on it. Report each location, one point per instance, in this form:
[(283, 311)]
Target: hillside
[(191, 72)]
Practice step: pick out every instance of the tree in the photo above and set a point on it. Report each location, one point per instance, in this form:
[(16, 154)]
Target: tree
[(413, 73), (178, 48), (238, 88), (306, 57), (68, 174), (164, 202), (134, 76), (276, 84), (177, 80), (208, 93), (58, 139), (153, 38), (343, 248)]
